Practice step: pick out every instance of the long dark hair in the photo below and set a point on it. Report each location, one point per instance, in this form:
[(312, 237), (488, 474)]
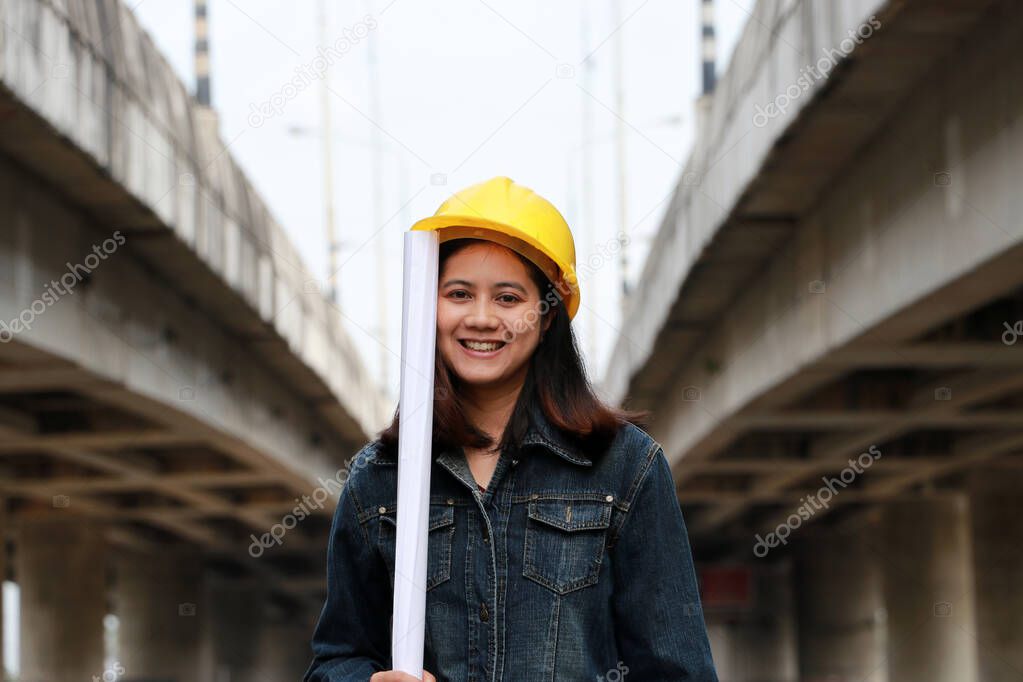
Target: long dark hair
[(564, 393)]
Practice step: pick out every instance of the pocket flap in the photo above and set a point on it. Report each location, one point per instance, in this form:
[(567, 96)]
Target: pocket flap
[(440, 515), (571, 515)]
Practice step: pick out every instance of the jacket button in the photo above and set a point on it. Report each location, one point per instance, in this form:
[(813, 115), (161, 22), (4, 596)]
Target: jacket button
[(515, 462), (484, 613), (534, 496), (610, 498), (486, 534), (382, 510), (450, 501)]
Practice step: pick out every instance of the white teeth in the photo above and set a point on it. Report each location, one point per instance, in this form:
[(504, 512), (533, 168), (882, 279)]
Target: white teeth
[(485, 347)]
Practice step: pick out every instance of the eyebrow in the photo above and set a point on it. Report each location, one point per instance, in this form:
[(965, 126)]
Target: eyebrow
[(497, 285)]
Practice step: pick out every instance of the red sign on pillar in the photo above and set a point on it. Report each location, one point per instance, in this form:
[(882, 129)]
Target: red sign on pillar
[(726, 587)]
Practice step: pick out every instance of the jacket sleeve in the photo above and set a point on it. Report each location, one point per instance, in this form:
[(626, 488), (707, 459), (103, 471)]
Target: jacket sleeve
[(352, 637), (659, 627)]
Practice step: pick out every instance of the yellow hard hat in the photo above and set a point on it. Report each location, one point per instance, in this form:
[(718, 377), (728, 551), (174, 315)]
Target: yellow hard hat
[(503, 211)]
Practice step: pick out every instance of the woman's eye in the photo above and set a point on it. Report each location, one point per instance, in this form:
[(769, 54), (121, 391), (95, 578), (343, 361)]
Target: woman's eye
[(462, 295)]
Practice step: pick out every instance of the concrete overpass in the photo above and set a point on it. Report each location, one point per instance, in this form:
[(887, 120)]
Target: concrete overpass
[(839, 276), (172, 380)]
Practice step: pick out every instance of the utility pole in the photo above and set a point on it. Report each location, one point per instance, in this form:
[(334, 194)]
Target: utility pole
[(328, 169), (378, 212), (623, 213), (708, 46), (587, 212), (708, 59), (202, 54)]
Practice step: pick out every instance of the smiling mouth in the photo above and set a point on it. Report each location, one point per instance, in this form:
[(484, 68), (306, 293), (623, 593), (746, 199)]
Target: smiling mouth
[(489, 347)]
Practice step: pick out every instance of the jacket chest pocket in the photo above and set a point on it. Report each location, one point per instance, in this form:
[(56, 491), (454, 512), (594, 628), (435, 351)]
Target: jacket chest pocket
[(441, 537), (564, 541)]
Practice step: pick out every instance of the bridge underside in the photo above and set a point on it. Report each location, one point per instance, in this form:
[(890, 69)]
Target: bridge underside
[(175, 416), (838, 377), (864, 288), (120, 402)]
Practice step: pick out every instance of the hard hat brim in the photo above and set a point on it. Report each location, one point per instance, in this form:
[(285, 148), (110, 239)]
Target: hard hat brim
[(474, 227)]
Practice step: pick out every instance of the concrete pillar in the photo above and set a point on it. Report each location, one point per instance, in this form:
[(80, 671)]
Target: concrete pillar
[(61, 570), (284, 650), (928, 589), (771, 640), (723, 646), (156, 598), (758, 645), (232, 617), (3, 576), (997, 521), (841, 612)]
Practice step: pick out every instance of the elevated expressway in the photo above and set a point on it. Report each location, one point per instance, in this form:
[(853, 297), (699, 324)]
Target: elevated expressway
[(834, 271), (172, 380), (839, 272)]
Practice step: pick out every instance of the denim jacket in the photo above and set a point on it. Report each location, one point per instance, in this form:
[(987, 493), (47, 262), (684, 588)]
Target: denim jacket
[(566, 568)]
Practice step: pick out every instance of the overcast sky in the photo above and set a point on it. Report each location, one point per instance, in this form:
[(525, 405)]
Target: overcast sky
[(466, 90)]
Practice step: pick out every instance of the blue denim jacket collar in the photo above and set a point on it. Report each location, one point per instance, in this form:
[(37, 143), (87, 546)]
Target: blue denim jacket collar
[(540, 432)]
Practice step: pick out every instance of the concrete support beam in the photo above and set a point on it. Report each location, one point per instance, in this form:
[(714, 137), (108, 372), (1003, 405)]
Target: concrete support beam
[(996, 516), (928, 589), (61, 570), (232, 617), (156, 598), (759, 646), (3, 574), (841, 612), (964, 390), (285, 651)]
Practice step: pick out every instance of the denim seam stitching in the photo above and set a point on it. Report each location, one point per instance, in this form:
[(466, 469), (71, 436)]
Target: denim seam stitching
[(633, 492), (360, 522)]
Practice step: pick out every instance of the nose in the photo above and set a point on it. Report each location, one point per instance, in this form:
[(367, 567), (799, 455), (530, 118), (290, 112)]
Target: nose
[(481, 315)]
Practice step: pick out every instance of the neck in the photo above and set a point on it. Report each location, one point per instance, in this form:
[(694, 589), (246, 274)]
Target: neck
[(490, 408)]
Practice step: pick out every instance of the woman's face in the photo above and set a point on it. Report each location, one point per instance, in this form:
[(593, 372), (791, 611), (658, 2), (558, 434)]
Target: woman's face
[(485, 294)]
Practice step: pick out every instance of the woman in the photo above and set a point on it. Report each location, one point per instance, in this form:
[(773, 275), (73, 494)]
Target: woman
[(557, 549)]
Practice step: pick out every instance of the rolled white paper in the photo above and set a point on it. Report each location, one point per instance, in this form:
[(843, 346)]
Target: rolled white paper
[(415, 437)]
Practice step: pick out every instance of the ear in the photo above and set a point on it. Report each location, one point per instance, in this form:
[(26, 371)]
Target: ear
[(545, 325)]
